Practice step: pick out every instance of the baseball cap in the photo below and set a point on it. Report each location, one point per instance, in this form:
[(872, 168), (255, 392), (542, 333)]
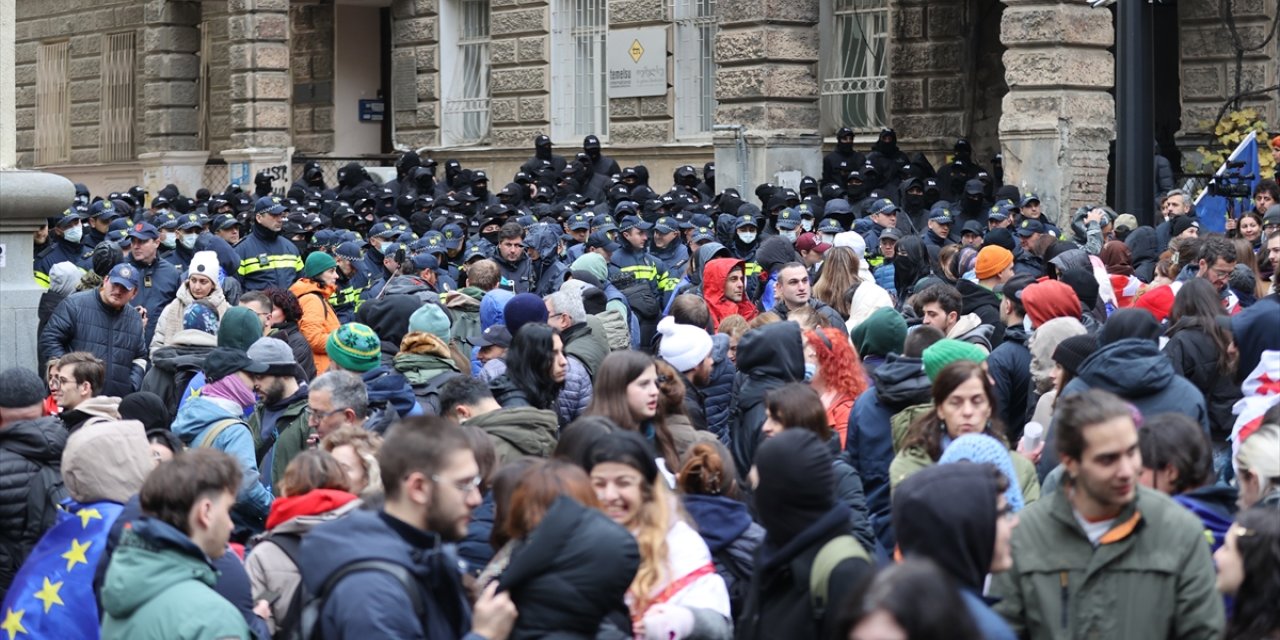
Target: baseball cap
[(1029, 228), (144, 231), (811, 242), (891, 234), (72, 214), (274, 354), (496, 335), (103, 209), (383, 230), (453, 236), (270, 205), (972, 226), (1272, 216), (578, 222), (124, 274), (424, 261), (745, 221), (189, 221), (882, 206), (349, 250), (223, 221), (703, 234), (829, 225), (1028, 199), (666, 224), (224, 361), (625, 206), (603, 223), (633, 222), (1128, 221), (474, 251), (940, 214), (788, 219), (600, 240)]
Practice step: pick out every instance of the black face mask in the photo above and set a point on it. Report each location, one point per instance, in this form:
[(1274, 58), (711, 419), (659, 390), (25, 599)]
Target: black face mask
[(542, 152), (480, 192), (972, 205), (594, 153), (913, 201), (856, 191), (491, 237), (303, 246)]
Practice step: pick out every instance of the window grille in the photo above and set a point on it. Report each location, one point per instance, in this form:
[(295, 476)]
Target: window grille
[(53, 103), (466, 106), (695, 66), (203, 112), (579, 99), (853, 87), (116, 130)]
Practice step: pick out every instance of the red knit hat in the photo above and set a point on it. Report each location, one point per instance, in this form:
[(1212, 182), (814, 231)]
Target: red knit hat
[(1157, 300), (1050, 299)]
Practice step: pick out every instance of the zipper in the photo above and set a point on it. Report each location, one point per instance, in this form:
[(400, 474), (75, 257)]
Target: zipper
[(1062, 580)]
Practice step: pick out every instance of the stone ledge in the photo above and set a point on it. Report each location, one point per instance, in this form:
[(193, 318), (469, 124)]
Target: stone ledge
[(780, 43), (1057, 25), (1059, 68)]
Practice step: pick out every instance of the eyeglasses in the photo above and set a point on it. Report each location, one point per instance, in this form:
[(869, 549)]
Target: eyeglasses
[(314, 417), (463, 486), (58, 382)]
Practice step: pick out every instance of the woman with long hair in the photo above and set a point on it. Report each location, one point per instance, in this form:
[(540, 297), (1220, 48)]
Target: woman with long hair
[(964, 401), (672, 409), (283, 320), (1248, 227), (1247, 255), (626, 391), (837, 375), (570, 565), (536, 369), (840, 267), (1202, 351), (797, 406), (676, 592), (1249, 570)]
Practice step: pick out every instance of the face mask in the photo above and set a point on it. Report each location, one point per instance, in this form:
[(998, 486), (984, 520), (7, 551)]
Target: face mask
[(162, 212), (810, 370), (789, 235), (1026, 322), (169, 242), (806, 224), (914, 201), (73, 234), (829, 238), (747, 237), (189, 240)]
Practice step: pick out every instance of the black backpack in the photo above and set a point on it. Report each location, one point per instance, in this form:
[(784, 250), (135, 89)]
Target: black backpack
[(302, 620), (45, 495), (428, 393), (738, 580)]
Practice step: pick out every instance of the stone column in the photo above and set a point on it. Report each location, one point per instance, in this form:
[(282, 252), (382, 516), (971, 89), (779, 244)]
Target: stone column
[(415, 70), (171, 70), (767, 94), (1058, 120), (29, 198), (8, 87), (260, 87), (927, 73)]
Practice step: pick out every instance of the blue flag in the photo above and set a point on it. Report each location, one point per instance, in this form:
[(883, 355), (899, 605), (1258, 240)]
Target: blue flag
[(52, 594), (1211, 209)]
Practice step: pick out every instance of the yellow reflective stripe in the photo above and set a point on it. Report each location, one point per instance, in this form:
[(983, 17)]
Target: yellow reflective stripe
[(642, 271), (286, 261), (752, 269), (42, 279)]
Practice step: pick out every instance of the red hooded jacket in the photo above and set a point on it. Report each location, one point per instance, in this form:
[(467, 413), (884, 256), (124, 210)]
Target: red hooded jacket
[(713, 279)]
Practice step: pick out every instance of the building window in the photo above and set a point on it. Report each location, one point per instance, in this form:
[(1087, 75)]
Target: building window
[(695, 67), (116, 131), (855, 65), (53, 103), (466, 84), (579, 101)]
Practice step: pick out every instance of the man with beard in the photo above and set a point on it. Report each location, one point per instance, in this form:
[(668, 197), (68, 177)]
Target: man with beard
[(435, 489), (601, 164), (541, 156), (1103, 556), (280, 423), (103, 323), (843, 152)]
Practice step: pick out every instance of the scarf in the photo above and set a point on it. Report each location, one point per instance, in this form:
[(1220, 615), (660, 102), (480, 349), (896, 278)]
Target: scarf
[(230, 388)]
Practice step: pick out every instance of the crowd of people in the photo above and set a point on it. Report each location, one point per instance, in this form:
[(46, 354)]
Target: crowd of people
[(892, 403)]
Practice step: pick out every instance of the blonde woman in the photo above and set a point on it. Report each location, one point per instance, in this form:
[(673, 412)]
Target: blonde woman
[(356, 451)]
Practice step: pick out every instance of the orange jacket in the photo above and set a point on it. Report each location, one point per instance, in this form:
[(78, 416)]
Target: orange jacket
[(318, 319)]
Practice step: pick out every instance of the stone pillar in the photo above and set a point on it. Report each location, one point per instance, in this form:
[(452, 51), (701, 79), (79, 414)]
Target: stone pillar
[(767, 94), (415, 70), (1058, 120), (928, 69), (260, 87), (184, 169), (29, 198), (8, 87), (171, 70)]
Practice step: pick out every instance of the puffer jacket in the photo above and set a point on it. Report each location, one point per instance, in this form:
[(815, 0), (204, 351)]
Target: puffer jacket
[(200, 414), (1010, 368), (1195, 357), (570, 573), (718, 394), (63, 278), (280, 433), (84, 323), (318, 318), (25, 447), (768, 358), (160, 281), (1152, 576), (519, 432), (273, 576), (586, 342), (571, 403), (170, 322)]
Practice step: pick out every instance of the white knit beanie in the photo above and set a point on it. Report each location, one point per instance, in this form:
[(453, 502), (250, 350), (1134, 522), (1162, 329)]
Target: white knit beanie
[(853, 240), (684, 346), (205, 263)]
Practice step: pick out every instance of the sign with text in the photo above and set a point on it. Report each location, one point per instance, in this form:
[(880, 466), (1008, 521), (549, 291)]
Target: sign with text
[(638, 62)]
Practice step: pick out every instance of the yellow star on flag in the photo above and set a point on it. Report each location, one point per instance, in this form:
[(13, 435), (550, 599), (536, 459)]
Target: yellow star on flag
[(86, 515), (76, 553), (49, 595), (13, 623)]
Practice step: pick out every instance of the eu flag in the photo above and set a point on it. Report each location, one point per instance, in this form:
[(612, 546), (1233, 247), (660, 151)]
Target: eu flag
[(1211, 209), (52, 595)]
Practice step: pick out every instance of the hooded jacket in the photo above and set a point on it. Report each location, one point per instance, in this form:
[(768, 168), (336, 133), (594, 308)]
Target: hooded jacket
[(200, 414), (768, 358), (1195, 357), (96, 407), (107, 462), (280, 432), (547, 272), (586, 341), (63, 278), (1136, 370), (170, 322), (176, 363), (948, 515), (983, 303), (1010, 368), (160, 585), (718, 394), (25, 447), (424, 357), (83, 322), (269, 567), (365, 535), (1145, 252), (713, 280), (730, 533), (570, 573), (318, 319), (519, 432), (897, 384), (1151, 577), (389, 391)]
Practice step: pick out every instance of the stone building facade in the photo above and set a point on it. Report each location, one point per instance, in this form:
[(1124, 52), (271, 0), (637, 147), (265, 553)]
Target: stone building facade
[(111, 92)]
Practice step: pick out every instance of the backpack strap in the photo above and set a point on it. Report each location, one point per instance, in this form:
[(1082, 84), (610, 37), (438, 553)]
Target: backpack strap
[(835, 551), (310, 620), (216, 430), (291, 545)]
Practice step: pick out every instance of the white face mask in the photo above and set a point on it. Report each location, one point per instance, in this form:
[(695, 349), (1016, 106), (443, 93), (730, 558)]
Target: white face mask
[(747, 237), (789, 235), (806, 224), (189, 240), (169, 241), (829, 238), (73, 234)]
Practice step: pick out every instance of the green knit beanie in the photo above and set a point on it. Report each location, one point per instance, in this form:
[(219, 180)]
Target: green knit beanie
[(947, 351), (317, 263), (882, 333), (354, 347), (239, 328)]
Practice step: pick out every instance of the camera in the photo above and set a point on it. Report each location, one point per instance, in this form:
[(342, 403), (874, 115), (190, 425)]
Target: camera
[(1232, 184)]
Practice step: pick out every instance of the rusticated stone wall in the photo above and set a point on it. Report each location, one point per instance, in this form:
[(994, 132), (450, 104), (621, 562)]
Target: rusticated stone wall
[(261, 88), (928, 68), (415, 71), (649, 119), (520, 77), (311, 67)]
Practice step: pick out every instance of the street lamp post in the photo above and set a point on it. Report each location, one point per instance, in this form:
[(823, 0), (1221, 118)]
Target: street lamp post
[(1135, 131)]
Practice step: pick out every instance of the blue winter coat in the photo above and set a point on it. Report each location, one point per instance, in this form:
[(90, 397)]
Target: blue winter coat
[(1136, 370), (718, 394), (1010, 368), (196, 417), (83, 322)]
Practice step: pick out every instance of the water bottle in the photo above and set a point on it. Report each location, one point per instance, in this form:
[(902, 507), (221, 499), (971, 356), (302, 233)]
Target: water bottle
[(1032, 436)]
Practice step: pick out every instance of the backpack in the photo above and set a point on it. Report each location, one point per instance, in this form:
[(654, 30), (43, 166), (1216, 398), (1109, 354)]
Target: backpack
[(832, 553), (305, 624), (206, 442), (428, 393), (739, 586), (44, 500)]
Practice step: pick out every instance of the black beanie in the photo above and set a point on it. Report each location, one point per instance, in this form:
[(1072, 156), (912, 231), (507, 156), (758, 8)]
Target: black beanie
[(629, 448), (796, 484), (1071, 352), (1084, 284), (20, 388), (947, 513), (1129, 323), (1000, 238), (147, 408)]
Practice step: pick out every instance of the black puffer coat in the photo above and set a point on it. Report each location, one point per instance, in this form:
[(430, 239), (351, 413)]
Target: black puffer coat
[(25, 446), (571, 573), (84, 323)]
